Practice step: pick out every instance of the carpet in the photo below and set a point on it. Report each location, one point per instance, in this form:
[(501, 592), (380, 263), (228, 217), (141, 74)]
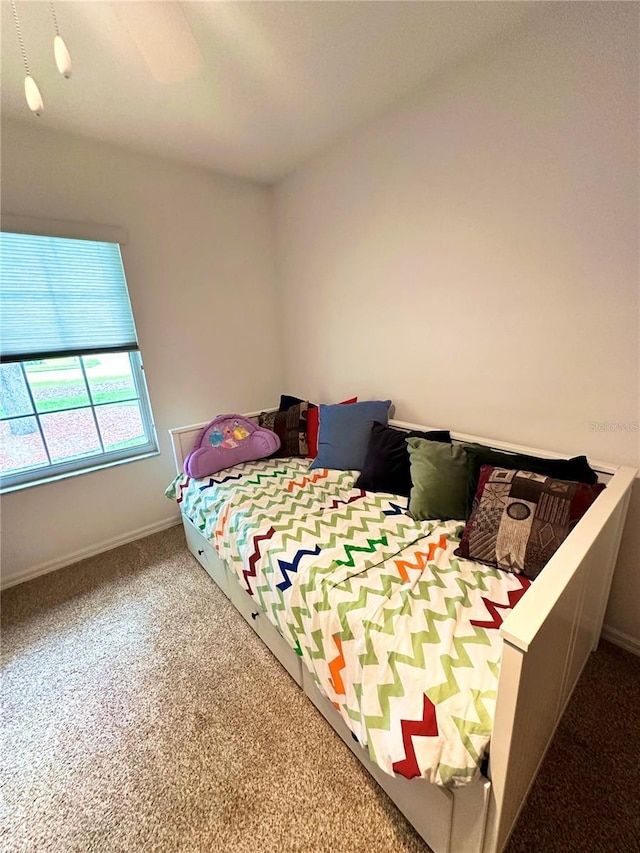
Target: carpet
[(141, 713)]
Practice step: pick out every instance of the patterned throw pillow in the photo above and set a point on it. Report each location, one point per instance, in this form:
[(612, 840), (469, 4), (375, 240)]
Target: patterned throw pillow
[(291, 428), (520, 519)]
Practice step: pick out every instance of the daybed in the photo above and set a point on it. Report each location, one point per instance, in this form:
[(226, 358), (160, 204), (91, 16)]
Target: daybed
[(323, 571)]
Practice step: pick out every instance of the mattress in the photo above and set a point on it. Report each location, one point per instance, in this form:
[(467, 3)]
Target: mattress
[(398, 633)]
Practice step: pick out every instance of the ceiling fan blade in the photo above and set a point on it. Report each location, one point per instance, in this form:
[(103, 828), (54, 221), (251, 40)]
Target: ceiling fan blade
[(163, 37)]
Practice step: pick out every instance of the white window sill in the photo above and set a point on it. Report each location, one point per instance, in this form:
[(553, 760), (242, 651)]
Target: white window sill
[(99, 466)]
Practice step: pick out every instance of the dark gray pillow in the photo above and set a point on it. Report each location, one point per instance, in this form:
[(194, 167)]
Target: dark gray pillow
[(387, 467), (343, 436)]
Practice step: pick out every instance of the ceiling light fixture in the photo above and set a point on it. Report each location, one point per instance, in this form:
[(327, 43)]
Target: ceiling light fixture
[(31, 91), (63, 60)]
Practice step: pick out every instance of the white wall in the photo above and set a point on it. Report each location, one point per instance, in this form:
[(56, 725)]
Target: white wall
[(473, 254), (199, 264)]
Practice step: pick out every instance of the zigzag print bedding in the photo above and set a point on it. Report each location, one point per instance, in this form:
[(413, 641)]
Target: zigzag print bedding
[(401, 636)]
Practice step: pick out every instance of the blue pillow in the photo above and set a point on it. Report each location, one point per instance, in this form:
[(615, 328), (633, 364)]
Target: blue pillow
[(344, 433)]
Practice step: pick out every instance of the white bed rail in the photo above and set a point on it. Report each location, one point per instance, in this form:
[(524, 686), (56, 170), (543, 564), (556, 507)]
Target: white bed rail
[(548, 639)]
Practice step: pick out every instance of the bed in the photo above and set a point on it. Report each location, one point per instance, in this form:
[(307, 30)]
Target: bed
[(323, 570)]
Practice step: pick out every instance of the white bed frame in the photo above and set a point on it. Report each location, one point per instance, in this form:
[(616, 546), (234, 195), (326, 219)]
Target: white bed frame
[(548, 638)]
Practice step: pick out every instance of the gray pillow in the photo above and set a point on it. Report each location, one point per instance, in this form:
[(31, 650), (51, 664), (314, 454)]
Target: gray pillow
[(343, 436)]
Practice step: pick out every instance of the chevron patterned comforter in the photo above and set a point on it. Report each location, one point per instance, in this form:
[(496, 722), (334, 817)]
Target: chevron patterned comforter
[(400, 635)]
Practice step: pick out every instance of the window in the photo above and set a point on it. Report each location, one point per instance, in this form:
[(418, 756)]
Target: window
[(72, 391)]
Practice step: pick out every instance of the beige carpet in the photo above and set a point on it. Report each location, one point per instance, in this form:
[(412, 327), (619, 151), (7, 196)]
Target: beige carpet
[(142, 714)]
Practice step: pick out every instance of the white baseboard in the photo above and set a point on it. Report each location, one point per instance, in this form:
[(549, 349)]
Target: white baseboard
[(619, 638), (99, 548)]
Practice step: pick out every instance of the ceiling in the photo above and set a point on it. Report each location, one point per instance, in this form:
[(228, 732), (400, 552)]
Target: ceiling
[(247, 88)]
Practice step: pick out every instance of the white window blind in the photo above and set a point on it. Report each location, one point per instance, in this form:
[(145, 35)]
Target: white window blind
[(62, 297)]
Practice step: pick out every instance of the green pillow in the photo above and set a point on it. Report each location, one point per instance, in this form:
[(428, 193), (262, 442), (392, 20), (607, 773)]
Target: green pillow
[(440, 477)]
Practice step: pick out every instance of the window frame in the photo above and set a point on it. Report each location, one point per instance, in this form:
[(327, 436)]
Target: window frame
[(51, 472), (59, 470)]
